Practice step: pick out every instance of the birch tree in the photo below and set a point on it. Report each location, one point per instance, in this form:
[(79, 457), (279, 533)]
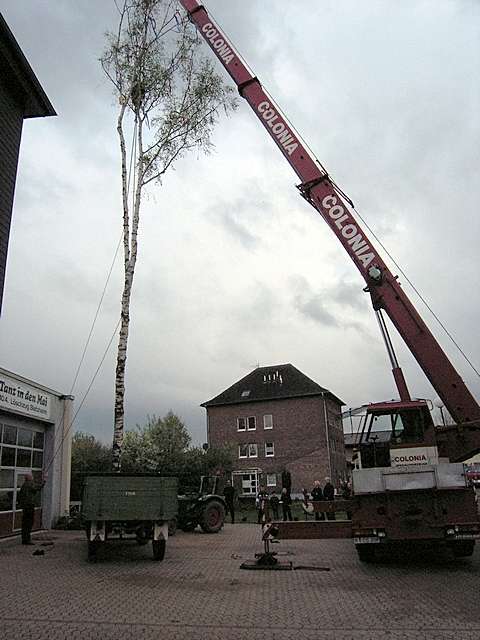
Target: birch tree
[(170, 98)]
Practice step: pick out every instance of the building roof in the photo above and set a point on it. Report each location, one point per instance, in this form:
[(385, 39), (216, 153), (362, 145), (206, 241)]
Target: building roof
[(277, 382), (20, 77)]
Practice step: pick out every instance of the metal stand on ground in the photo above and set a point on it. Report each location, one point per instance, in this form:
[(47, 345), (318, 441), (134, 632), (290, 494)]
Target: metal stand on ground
[(267, 561)]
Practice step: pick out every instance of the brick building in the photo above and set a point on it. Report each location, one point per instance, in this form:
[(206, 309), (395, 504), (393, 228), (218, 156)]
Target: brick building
[(21, 96), (277, 419)]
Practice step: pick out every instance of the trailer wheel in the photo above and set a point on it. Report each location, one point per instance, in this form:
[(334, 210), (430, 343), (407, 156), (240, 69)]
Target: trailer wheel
[(212, 517), (172, 526), (463, 548), (366, 552), (92, 550), (158, 547)]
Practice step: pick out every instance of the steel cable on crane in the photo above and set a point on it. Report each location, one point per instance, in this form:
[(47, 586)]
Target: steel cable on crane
[(415, 289), (388, 253), (350, 202)]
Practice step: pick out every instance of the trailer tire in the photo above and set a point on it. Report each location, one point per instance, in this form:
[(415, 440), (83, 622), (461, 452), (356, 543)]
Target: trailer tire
[(92, 551), (366, 552), (158, 548), (463, 548), (172, 527), (212, 517)]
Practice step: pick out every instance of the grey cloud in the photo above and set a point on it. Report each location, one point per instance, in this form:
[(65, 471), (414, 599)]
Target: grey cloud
[(238, 230), (391, 113)]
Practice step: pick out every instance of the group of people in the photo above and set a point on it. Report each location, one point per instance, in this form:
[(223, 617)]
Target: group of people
[(327, 493), (267, 504), (318, 494)]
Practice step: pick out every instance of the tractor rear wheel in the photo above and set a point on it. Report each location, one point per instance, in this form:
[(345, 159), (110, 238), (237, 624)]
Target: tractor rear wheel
[(212, 516)]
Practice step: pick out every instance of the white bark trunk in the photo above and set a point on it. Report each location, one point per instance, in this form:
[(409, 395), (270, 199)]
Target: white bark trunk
[(130, 259)]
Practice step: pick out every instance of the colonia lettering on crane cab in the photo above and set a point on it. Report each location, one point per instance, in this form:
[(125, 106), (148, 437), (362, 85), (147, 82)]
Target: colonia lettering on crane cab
[(349, 230), (218, 43)]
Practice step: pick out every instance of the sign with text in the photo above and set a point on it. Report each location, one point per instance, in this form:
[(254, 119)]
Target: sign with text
[(413, 455), (21, 397)]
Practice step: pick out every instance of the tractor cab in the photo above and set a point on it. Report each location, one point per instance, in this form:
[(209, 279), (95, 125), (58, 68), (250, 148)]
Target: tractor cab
[(397, 433)]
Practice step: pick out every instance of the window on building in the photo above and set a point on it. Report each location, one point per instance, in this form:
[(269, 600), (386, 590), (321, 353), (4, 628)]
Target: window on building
[(252, 423), (38, 438), (271, 479), (245, 393), (37, 460), (243, 450), (25, 437), (241, 424), (9, 434), (249, 483), (6, 500), (252, 450), (8, 457), (24, 458), (268, 421), (269, 450)]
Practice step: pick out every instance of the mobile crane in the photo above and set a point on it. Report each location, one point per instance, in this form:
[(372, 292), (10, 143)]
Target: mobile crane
[(413, 488)]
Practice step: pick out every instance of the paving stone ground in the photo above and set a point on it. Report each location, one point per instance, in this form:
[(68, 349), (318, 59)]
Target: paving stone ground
[(199, 592)]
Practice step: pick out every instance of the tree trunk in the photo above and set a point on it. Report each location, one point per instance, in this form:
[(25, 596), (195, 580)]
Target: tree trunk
[(130, 259)]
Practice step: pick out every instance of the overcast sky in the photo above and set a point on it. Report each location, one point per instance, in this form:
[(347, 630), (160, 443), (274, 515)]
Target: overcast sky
[(234, 268)]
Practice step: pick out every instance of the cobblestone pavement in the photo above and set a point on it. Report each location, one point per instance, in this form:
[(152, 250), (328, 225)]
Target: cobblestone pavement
[(199, 592)]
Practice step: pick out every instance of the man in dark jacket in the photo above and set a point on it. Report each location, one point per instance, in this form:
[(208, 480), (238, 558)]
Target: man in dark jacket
[(329, 494), (26, 502), (317, 495), (229, 494), (286, 502)]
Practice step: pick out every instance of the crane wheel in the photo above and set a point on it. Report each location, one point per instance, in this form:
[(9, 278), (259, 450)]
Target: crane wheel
[(366, 552)]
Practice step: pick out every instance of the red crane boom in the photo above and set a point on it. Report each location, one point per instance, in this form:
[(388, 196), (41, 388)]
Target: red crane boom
[(317, 187)]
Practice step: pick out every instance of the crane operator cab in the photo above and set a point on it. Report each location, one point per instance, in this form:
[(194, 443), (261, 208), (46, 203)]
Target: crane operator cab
[(397, 434)]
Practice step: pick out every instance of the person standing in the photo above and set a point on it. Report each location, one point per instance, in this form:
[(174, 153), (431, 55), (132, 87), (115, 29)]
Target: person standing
[(317, 496), (286, 502), (26, 502), (274, 503), (329, 494), (229, 494), (347, 494), (262, 505)]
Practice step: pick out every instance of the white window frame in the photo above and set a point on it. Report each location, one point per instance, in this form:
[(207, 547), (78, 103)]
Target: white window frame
[(269, 477), (252, 455), (272, 454), (254, 428), (268, 415), (240, 450), (244, 423), (249, 485)]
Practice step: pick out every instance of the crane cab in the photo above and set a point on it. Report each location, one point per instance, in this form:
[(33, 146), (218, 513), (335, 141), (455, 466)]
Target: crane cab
[(397, 434)]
